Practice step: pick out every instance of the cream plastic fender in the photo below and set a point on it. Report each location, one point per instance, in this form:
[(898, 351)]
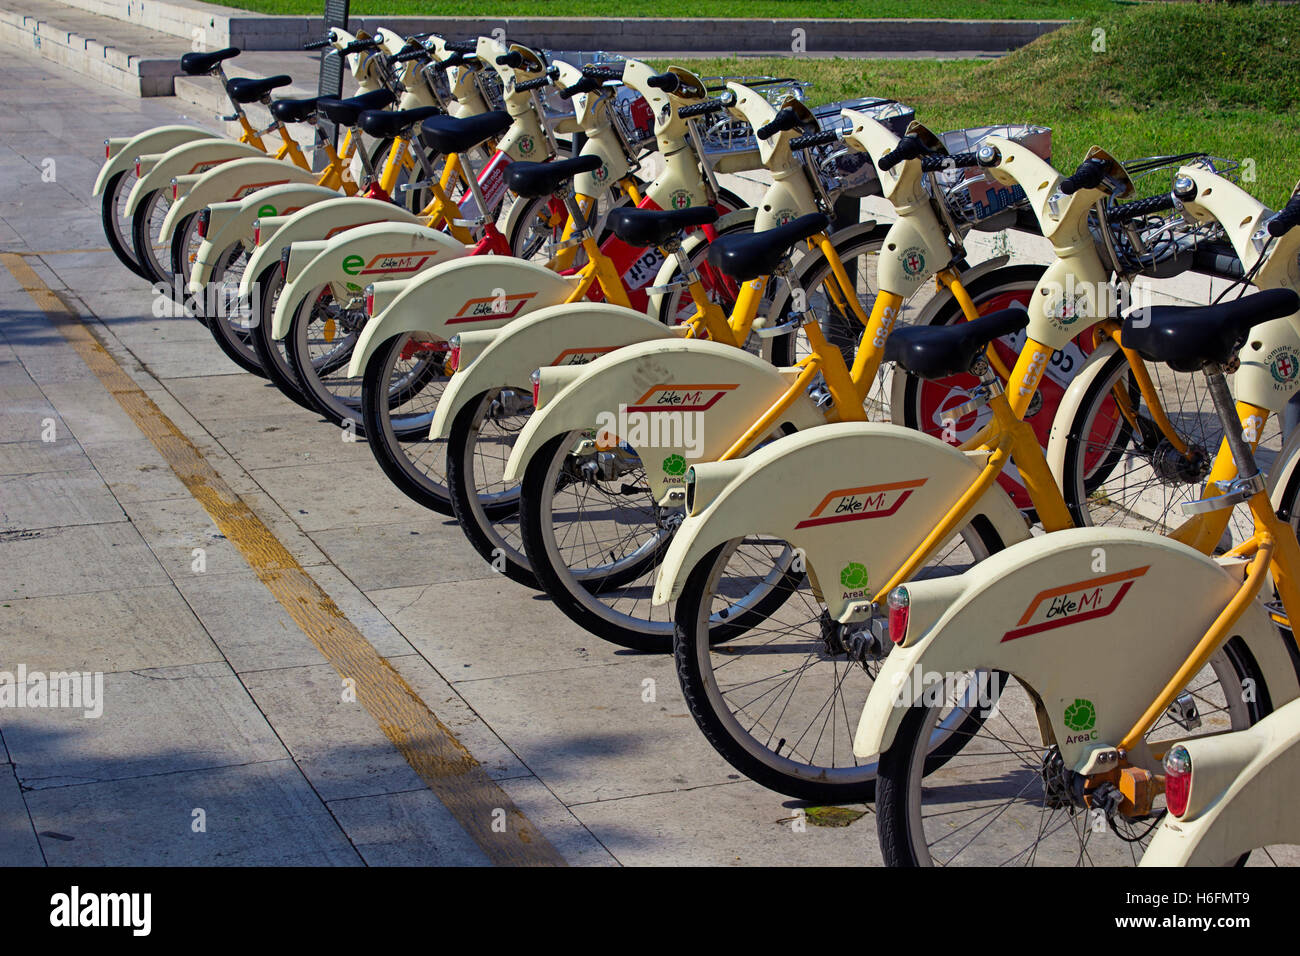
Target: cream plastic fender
[(123, 150), (847, 493), (322, 220), (1058, 443), (232, 222), (196, 156), (714, 393), (382, 250), (459, 296), (1283, 471), (1071, 614), (1242, 796), (231, 182), (569, 335)]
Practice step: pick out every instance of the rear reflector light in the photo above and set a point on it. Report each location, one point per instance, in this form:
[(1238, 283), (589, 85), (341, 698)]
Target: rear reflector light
[(137, 167), (900, 606), (284, 262), (536, 378), (1178, 779), (370, 300), (453, 358), (176, 190), (108, 150), (204, 216), (257, 232)]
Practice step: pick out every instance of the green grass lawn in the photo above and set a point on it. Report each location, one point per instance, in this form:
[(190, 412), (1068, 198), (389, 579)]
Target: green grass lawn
[(798, 9), (1173, 78)]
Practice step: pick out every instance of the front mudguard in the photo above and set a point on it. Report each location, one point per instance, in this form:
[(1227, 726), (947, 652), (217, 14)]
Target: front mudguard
[(568, 334), (1241, 797), (232, 222), (1060, 440), (716, 392), (468, 294), (1071, 615), (383, 250), (123, 150), (231, 182), (322, 220), (196, 156), (851, 493)]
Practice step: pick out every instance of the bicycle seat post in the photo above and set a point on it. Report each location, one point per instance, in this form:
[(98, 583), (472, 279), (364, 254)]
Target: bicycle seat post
[(1225, 405)]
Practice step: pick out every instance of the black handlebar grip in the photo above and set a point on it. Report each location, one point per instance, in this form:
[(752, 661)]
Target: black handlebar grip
[(1088, 176), (909, 147), (513, 59), (668, 82), (1142, 207), (462, 46), (536, 84), (409, 55), (1283, 222), (824, 138), (584, 85), (784, 119), (604, 71), (707, 106), (935, 162), (456, 59), (318, 44), (356, 46)]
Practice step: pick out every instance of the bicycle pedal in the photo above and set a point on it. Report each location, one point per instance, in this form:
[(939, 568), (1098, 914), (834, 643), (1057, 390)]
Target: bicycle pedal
[(552, 248), (422, 184), (666, 289), (766, 331), (1277, 611)]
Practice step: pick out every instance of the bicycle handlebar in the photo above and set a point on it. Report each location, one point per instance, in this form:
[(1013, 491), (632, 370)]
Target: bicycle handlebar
[(909, 147), (319, 44), (1089, 175), (708, 106), (668, 82), (536, 84), (934, 162), (356, 46), (512, 59), (409, 55), (604, 71), (462, 46), (1142, 207), (824, 138), (1283, 222), (784, 119), (456, 59)]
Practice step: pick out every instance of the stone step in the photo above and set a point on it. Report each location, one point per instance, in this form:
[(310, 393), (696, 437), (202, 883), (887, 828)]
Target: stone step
[(121, 55)]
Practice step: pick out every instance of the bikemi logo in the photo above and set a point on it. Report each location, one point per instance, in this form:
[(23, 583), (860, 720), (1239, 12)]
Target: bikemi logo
[(856, 504), (492, 307), (680, 398), (389, 263), (1073, 603), (580, 356), (76, 909)]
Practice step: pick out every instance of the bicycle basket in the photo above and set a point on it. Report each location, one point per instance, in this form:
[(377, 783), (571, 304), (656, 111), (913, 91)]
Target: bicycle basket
[(1165, 244), (973, 197), (848, 172)]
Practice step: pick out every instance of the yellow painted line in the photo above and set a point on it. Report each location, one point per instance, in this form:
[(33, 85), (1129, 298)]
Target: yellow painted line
[(432, 750)]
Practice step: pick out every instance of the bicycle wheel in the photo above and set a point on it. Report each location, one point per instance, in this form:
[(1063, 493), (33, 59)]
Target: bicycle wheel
[(595, 543), (271, 352), (403, 381), (1006, 799), (923, 405), (117, 228), (1121, 469), (230, 319), (478, 447), (779, 692), (321, 338), (153, 255)]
